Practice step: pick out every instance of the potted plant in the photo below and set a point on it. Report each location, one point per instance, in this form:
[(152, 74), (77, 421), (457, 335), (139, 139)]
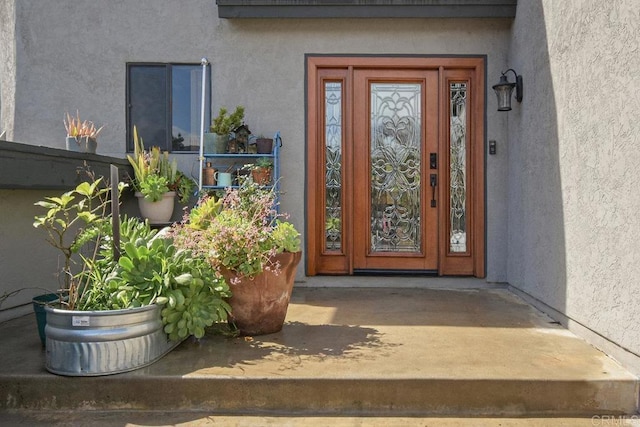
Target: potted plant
[(222, 125), (81, 135), (262, 171), (264, 145), (244, 237), (157, 181), (135, 296)]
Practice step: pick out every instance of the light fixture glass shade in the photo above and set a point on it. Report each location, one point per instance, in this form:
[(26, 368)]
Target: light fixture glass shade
[(503, 92)]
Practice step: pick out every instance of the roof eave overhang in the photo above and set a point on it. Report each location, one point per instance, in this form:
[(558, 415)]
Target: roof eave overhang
[(242, 9)]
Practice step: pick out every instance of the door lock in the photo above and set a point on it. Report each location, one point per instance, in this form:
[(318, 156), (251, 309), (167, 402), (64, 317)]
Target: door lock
[(433, 161)]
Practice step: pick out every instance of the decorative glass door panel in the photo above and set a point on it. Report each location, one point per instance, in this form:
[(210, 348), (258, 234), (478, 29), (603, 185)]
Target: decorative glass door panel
[(333, 166), (458, 168), (395, 159), (395, 129)]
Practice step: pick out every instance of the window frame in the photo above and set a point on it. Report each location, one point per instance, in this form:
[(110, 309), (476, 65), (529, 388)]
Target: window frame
[(168, 75)]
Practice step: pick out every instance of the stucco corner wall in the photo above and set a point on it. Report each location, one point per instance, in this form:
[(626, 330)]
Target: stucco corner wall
[(573, 165), (7, 66)]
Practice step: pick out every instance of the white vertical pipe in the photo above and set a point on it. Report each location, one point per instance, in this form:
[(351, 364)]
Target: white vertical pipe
[(204, 63), (115, 210)]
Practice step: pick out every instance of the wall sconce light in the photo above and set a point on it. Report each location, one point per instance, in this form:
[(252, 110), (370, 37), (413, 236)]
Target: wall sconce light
[(504, 89)]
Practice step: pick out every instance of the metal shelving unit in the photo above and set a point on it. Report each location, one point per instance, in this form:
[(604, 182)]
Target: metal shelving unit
[(234, 162)]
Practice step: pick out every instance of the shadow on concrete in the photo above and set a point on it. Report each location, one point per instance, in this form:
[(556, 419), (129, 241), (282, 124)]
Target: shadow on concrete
[(296, 340)]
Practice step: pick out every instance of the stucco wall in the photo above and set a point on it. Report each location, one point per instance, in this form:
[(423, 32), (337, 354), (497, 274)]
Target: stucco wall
[(7, 64), (22, 249), (573, 164), (72, 54)]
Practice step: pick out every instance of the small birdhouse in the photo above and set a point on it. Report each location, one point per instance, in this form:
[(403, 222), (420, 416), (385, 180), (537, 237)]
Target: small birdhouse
[(242, 137)]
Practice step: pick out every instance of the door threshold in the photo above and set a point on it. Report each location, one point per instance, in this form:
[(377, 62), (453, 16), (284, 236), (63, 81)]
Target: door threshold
[(388, 272)]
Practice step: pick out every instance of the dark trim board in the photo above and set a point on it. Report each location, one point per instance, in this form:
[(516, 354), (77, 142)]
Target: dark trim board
[(238, 9), (32, 167)]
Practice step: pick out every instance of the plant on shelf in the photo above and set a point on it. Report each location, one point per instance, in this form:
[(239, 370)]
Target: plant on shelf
[(262, 170), (157, 180), (224, 123), (81, 135), (221, 127), (244, 237), (264, 145)]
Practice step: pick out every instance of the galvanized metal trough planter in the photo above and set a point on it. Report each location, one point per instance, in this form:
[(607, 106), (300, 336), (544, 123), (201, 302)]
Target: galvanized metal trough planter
[(91, 343)]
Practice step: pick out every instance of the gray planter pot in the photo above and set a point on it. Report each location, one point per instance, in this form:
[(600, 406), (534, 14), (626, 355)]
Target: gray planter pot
[(210, 142), (91, 343), (83, 144), (72, 144), (159, 212)]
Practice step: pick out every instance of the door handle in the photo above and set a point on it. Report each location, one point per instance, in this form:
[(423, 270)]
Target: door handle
[(433, 181)]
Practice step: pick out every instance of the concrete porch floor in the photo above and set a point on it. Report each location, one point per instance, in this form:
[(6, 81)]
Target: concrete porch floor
[(344, 354)]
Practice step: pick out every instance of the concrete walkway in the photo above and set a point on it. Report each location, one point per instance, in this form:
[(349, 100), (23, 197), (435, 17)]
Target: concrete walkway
[(348, 353)]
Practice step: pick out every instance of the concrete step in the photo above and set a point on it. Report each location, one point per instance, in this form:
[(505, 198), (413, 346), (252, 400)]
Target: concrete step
[(352, 352), (201, 419)]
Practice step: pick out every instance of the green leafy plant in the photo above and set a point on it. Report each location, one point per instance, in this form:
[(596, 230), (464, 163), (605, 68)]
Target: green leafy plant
[(95, 280), (151, 270), (204, 212), (150, 167), (187, 286), (285, 237), (224, 123), (154, 187), (261, 170), (244, 235), (263, 162), (72, 220)]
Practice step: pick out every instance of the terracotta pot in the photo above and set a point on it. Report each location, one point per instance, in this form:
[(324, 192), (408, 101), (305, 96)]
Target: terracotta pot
[(261, 176), (259, 305)]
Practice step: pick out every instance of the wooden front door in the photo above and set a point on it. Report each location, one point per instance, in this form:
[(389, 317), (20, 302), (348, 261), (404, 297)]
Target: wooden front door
[(395, 177)]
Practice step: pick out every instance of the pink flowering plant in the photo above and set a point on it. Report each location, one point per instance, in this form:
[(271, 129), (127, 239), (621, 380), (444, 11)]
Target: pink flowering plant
[(240, 232)]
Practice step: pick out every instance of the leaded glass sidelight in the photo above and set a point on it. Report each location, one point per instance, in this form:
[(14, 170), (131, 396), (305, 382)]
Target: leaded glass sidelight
[(458, 168), (333, 165), (395, 167)]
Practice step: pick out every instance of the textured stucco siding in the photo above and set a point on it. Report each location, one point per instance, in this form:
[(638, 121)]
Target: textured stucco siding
[(7, 64), (72, 56), (25, 260), (573, 164)]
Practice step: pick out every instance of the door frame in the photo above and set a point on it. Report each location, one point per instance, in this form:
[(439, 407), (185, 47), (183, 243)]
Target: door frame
[(319, 68)]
